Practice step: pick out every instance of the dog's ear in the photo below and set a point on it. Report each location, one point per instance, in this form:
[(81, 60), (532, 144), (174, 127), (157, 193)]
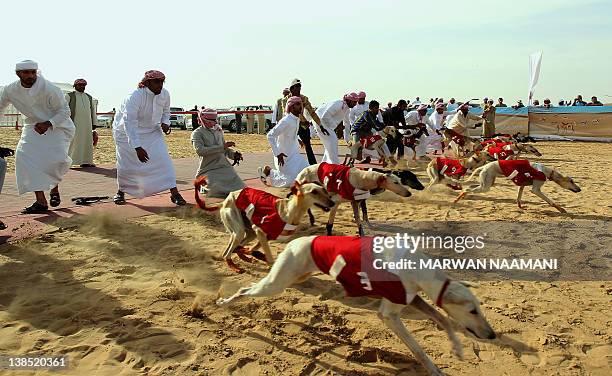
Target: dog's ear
[(296, 189)]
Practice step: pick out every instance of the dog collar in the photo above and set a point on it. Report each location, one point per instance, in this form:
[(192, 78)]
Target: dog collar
[(441, 293)]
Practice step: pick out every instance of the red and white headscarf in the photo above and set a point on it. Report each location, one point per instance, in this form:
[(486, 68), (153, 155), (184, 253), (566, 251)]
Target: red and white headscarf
[(208, 118), (465, 106), (361, 95), (422, 107), (292, 101), (79, 81), (351, 97), (440, 105), (151, 75)]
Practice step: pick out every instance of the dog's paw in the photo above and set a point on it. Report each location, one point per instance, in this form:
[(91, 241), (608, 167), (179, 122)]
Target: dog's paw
[(458, 350)]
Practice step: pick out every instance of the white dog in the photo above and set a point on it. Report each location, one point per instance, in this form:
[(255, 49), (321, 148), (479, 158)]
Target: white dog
[(352, 262)]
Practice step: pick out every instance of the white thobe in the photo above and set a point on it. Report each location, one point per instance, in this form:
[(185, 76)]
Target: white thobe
[(414, 118), (459, 123), (41, 160), (138, 124), (434, 141), (331, 115), (81, 148), (283, 139)]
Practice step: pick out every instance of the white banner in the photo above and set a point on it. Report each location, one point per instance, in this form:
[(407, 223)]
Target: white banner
[(535, 61)]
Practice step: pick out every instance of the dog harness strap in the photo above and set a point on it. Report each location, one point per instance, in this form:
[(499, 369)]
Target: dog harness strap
[(450, 167), (441, 293)]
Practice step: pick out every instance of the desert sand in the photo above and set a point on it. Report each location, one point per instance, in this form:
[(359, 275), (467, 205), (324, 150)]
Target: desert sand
[(118, 296)]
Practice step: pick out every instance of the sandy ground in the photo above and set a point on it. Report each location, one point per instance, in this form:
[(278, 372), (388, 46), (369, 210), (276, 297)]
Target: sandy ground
[(116, 296)]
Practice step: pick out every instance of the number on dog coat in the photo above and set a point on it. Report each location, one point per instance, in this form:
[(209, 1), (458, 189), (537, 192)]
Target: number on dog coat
[(500, 152), (457, 138), (521, 172), (335, 178), (260, 208), (349, 260), (450, 167), (368, 141)]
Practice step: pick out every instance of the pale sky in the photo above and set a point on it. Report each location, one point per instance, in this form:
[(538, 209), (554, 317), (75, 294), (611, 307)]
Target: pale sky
[(224, 53)]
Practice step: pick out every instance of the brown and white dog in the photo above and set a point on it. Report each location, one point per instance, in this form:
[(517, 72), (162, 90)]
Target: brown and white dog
[(522, 173), (249, 214), (346, 183), (352, 262), (442, 168)]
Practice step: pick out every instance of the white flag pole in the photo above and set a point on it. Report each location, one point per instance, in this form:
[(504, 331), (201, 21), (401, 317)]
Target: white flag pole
[(535, 61)]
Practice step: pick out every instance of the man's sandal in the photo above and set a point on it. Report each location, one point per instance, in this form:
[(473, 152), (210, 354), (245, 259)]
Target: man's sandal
[(2, 226), (35, 208), (54, 200), (119, 198), (178, 199)]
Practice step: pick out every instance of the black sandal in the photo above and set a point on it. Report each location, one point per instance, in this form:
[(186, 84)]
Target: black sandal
[(178, 199), (2, 226), (119, 198), (54, 200), (35, 208)]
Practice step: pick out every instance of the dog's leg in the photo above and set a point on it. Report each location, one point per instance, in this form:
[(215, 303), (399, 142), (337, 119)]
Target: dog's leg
[(355, 206), (389, 313), (330, 220), (442, 321), (311, 217), (536, 190), (265, 246), (364, 213), (235, 240), (519, 196)]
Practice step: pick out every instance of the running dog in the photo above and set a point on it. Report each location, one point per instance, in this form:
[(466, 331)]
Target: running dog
[(412, 139), (352, 262), (346, 183), (452, 169), (250, 213), (508, 150), (460, 146), (374, 142), (522, 173)]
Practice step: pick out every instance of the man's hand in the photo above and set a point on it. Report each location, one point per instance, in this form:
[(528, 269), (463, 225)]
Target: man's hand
[(6, 152), (281, 159), (324, 131), (301, 144), (166, 128), (230, 144), (41, 128), (142, 155), (237, 158)]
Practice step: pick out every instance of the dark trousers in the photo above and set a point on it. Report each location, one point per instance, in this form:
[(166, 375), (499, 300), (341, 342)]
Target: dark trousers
[(396, 142), (304, 134)]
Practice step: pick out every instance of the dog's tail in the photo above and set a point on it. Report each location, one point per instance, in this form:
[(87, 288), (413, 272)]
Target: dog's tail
[(198, 183), (474, 173)]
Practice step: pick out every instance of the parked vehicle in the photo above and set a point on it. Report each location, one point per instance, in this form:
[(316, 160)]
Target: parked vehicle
[(105, 120), (228, 121), (178, 120)]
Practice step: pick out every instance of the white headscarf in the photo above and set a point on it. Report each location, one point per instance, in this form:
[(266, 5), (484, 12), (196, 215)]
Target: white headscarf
[(26, 65)]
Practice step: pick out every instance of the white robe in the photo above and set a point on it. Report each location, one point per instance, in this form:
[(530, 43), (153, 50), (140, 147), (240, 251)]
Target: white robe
[(81, 148), (413, 118), (331, 115), (434, 141), (41, 160), (138, 124), (283, 139)]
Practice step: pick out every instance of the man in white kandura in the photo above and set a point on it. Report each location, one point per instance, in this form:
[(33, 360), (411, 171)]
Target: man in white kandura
[(437, 118), (144, 166), (331, 115), (283, 138), (416, 119), (83, 115), (41, 158)]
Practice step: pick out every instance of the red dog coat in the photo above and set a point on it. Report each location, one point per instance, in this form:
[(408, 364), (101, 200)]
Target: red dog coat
[(495, 141), (521, 172), (368, 141), (335, 178), (450, 167), (499, 152), (459, 139), (260, 208), (350, 261)]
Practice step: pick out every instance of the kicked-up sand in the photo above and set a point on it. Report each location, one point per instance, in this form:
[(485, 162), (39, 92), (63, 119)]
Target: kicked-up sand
[(134, 297)]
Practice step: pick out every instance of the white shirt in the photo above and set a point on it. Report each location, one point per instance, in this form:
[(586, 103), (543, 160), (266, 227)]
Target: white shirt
[(334, 113), (283, 137), (42, 102), (459, 123), (414, 118), (141, 112), (355, 112)]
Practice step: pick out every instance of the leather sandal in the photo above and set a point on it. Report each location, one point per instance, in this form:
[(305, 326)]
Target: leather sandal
[(54, 200), (35, 208), (119, 198), (178, 199)]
